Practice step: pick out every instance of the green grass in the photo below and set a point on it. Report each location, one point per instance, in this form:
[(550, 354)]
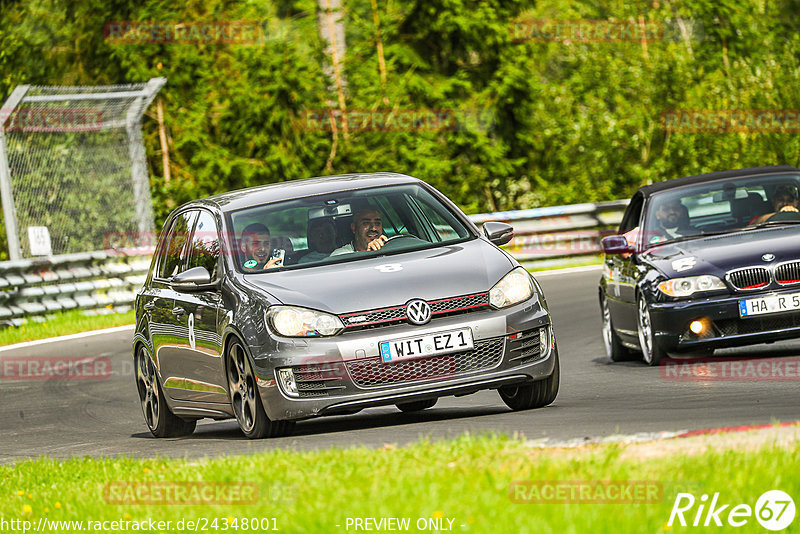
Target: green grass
[(60, 324), (466, 479)]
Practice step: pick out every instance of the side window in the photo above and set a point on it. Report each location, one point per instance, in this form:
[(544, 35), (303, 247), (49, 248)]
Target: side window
[(173, 256), (444, 231), (203, 249), (632, 215)]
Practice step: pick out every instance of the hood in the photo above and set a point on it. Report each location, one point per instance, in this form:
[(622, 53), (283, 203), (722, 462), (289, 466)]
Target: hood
[(392, 280), (719, 254)]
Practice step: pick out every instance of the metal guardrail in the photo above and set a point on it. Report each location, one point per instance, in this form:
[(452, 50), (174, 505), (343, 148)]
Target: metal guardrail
[(108, 281), (92, 280), (558, 235)]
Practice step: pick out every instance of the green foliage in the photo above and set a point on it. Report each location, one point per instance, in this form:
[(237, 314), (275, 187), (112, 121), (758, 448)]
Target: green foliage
[(539, 122)]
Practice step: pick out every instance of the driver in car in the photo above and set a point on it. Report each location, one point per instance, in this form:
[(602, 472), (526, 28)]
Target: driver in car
[(367, 227), (256, 249), (668, 221)]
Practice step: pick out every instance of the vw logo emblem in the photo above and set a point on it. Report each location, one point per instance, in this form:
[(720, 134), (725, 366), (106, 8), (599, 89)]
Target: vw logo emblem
[(418, 311), (768, 257)]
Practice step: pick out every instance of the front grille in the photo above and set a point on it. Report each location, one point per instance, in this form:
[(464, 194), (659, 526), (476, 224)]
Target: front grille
[(788, 273), (373, 372), (397, 314), (319, 380), (750, 278), (524, 347), (732, 327)]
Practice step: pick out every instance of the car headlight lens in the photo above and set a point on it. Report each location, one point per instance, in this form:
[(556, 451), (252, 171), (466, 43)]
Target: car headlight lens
[(683, 287), (514, 287), (292, 321)]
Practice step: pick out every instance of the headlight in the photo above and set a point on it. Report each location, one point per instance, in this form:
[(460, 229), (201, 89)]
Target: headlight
[(512, 288), (683, 287), (292, 321)]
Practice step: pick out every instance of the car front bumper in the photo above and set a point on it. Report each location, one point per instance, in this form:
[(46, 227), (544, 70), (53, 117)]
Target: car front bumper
[(344, 373), (724, 326)]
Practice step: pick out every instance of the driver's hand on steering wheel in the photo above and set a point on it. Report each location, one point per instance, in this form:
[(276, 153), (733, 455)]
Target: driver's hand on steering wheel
[(377, 243)]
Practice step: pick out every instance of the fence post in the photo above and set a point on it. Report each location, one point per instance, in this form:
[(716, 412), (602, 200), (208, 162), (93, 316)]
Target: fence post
[(9, 212)]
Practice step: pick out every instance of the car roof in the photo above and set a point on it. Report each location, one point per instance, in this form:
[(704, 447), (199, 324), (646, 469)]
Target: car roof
[(713, 176), (292, 189)]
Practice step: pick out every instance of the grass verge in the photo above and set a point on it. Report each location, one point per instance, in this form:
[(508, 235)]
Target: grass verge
[(467, 480), (60, 324)]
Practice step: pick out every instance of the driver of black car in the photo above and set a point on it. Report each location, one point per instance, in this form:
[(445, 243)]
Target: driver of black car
[(671, 221), (367, 227)]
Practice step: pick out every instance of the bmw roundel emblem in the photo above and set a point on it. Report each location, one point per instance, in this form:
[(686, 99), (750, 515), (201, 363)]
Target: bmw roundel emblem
[(768, 257), (418, 311)]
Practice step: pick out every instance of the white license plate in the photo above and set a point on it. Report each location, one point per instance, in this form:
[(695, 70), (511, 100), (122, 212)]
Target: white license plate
[(769, 304), (429, 345)]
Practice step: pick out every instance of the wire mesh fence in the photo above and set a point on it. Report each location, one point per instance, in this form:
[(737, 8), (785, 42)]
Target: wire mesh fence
[(74, 164)]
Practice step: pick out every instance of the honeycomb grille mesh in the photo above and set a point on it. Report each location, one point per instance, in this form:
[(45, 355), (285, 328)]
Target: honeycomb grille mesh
[(373, 372)]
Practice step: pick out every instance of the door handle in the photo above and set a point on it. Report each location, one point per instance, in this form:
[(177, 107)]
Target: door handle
[(177, 310)]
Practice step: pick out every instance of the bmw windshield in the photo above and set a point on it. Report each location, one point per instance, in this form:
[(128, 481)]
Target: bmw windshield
[(720, 207), (340, 227)]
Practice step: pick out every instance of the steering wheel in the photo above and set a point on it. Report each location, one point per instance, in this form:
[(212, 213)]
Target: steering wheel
[(398, 236)]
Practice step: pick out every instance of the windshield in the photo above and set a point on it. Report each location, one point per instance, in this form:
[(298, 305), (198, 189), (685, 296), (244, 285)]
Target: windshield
[(340, 227), (720, 207)]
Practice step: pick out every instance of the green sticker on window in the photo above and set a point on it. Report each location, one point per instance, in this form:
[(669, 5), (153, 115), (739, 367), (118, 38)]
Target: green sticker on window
[(656, 239), (250, 263)]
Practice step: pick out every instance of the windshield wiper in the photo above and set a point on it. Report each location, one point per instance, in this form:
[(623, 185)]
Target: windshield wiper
[(772, 223)]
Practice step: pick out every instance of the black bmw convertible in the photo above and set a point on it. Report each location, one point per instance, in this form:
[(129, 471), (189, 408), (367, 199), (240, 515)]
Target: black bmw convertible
[(704, 262)]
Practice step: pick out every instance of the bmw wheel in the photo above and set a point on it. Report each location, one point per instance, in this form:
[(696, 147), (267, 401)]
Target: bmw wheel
[(652, 354), (160, 420), (245, 399)]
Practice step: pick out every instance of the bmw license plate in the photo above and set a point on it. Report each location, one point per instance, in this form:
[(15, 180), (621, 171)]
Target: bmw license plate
[(428, 345), (769, 304)]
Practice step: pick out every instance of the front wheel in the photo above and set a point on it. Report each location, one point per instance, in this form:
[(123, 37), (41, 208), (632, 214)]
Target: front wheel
[(246, 401), (652, 354), (533, 395), (160, 420)]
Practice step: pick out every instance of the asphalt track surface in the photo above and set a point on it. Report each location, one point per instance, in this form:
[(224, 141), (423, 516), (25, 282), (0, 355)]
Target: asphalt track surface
[(64, 418)]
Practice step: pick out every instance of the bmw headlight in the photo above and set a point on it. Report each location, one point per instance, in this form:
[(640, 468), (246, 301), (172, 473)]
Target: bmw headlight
[(683, 287), (514, 287), (293, 321)]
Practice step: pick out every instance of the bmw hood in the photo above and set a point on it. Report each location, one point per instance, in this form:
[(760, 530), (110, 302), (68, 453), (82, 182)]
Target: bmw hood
[(391, 280), (717, 255)]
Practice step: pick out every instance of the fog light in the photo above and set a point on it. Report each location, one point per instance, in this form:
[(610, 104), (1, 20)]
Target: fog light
[(699, 327), (544, 342), (286, 377)]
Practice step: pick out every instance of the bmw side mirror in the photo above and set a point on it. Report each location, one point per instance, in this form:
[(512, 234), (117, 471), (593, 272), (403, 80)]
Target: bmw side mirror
[(498, 233), (194, 278), (616, 244)]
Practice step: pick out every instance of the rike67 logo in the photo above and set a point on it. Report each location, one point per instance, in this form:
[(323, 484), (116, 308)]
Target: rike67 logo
[(774, 510)]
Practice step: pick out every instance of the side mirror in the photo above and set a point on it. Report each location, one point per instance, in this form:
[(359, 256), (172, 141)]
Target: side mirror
[(616, 244), (194, 278), (498, 233)]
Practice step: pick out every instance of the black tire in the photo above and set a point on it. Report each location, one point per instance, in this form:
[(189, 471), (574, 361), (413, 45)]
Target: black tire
[(615, 350), (416, 406), (652, 353), (535, 394), (157, 415), (245, 399)]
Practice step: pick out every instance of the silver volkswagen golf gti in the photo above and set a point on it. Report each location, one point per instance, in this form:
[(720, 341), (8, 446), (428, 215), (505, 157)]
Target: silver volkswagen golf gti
[(329, 295)]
